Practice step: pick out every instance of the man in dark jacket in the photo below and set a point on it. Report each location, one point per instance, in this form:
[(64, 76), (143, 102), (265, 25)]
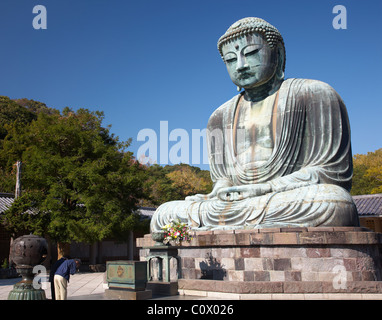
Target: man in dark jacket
[(52, 272), (61, 277)]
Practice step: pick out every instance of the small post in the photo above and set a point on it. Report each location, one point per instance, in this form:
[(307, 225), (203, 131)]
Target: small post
[(18, 179)]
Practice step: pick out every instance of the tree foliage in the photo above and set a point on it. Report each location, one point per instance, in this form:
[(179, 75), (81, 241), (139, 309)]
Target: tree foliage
[(79, 182), (367, 175), (169, 183), (22, 111), (189, 180)]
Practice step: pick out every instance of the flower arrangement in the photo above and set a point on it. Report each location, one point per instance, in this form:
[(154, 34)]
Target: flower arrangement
[(176, 231)]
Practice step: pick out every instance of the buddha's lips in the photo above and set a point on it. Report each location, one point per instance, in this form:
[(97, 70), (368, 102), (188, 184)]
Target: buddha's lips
[(245, 75)]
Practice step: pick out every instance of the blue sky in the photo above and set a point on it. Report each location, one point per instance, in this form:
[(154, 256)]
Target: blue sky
[(142, 62)]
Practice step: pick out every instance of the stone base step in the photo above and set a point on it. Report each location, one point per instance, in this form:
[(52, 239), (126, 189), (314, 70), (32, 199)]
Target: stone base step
[(289, 287)]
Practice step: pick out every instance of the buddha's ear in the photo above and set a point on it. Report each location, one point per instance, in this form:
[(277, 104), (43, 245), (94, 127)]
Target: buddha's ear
[(280, 61)]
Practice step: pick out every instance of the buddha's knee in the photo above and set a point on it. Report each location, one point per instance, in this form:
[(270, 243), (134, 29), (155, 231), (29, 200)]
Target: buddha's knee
[(331, 192), (340, 205), (330, 205), (173, 210)]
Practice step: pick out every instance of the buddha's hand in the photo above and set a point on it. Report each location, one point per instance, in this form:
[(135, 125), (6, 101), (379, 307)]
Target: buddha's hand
[(243, 192), (220, 184), (201, 197)]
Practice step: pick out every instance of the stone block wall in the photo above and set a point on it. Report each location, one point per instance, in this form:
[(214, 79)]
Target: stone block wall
[(312, 259)]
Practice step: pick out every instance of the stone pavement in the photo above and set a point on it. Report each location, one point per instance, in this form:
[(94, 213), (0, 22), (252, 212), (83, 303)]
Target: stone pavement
[(82, 286), (91, 286)]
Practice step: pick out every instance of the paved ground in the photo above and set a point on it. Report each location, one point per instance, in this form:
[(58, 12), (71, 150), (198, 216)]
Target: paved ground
[(91, 286), (82, 286)]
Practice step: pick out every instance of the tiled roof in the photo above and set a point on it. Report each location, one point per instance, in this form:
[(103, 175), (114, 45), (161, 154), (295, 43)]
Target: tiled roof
[(369, 204), (147, 212), (6, 200)]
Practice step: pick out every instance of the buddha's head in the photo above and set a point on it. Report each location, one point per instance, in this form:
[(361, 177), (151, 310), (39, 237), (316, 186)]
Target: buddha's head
[(254, 53)]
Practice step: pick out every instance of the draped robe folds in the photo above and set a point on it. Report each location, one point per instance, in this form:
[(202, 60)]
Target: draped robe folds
[(309, 170)]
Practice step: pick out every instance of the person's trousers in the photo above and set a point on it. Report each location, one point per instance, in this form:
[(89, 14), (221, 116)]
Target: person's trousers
[(60, 287)]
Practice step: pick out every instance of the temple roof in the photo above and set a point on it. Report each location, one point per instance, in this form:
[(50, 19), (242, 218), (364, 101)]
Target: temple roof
[(147, 211), (6, 200), (369, 204)]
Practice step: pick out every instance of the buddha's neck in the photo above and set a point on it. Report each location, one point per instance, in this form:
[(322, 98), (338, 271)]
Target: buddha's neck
[(261, 92)]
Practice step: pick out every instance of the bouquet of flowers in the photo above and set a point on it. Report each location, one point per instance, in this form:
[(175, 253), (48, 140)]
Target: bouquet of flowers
[(177, 231)]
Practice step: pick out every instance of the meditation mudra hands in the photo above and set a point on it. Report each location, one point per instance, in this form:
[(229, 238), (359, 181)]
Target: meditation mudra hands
[(233, 193)]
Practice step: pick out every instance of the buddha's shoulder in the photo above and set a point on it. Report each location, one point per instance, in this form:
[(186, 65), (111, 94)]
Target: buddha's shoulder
[(309, 85), (231, 103), (314, 93), (225, 107)]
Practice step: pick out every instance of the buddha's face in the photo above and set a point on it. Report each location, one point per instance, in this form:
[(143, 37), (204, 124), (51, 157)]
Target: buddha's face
[(250, 61)]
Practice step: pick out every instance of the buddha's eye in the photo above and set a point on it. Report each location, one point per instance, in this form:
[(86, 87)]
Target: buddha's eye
[(251, 50), (230, 57), (230, 60)]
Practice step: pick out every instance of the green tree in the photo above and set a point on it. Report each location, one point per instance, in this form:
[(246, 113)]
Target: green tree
[(157, 186), (35, 106), (189, 180), (168, 183), (23, 111), (79, 182), (367, 175), (12, 113)]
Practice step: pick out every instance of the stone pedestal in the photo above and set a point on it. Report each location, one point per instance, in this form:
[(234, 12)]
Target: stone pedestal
[(26, 289), (164, 255), (163, 288), (280, 260), (165, 261), (124, 294), (27, 252)]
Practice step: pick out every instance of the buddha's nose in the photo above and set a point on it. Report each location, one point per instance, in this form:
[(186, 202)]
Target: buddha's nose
[(241, 65), (242, 68)]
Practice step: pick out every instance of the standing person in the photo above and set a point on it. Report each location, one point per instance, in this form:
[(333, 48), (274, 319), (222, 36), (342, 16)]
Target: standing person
[(53, 271), (62, 275)]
